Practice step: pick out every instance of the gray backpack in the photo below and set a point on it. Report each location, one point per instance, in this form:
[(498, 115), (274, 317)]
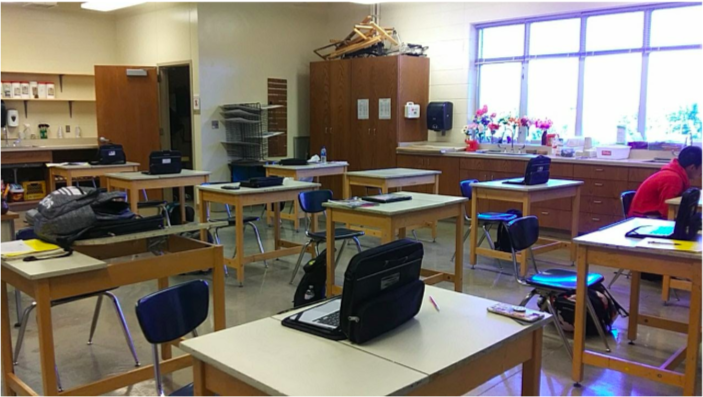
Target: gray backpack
[(68, 211)]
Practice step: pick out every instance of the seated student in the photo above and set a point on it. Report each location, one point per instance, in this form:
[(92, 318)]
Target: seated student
[(669, 182)]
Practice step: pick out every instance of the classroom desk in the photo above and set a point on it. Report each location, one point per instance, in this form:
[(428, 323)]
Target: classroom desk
[(669, 283), (387, 218), (674, 203), (8, 234), (298, 172), (610, 248), (386, 179), (244, 197), (133, 182), (525, 195), (71, 172), (436, 353), (87, 271)]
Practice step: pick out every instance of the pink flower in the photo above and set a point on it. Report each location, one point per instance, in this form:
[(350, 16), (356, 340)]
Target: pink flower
[(493, 126), (525, 121), (482, 111), (493, 115)]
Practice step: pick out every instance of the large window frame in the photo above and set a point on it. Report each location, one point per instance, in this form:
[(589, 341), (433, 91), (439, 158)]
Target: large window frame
[(645, 49)]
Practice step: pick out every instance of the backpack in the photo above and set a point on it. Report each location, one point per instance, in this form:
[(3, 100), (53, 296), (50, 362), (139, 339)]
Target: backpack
[(174, 213), (606, 307), (503, 238), (312, 286)]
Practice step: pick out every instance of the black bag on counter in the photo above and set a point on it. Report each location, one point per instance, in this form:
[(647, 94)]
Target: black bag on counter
[(110, 154)]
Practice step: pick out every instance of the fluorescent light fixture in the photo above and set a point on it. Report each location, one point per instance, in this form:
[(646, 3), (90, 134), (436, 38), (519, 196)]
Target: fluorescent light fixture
[(109, 5)]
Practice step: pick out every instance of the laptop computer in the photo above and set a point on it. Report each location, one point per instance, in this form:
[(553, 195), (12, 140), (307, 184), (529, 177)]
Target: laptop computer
[(386, 198), (370, 273), (536, 172), (687, 224), (164, 162)]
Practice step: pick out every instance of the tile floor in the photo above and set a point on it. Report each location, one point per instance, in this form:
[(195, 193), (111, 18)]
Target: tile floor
[(266, 292)]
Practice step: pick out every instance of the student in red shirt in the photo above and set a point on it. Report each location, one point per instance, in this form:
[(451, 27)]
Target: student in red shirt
[(671, 181)]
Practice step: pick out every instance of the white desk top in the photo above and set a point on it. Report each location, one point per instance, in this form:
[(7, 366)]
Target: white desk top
[(91, 166), (311, 166), (139, 176), (614, 237), (551, 184), (393, 173), (282, 361), (419, 202), (76, 263), (288, 184), (677, 201)]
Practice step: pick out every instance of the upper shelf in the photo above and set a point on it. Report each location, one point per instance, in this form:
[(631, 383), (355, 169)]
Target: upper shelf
[(49, 73), (47, 100)]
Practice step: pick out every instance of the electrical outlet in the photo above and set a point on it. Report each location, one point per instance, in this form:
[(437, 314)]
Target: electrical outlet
[(67, 129), (215, 124)]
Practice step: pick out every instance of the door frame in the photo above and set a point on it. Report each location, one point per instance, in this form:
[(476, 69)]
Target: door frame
[(165, 65)]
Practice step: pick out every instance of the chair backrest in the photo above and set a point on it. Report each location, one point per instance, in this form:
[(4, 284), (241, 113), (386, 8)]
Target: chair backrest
[(173, 312), (466, 187), (311, 201), (25, 234), (523, 232), (626, 201)]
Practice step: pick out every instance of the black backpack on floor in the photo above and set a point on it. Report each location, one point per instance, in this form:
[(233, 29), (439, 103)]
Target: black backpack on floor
[(502, 242), (312, 286)]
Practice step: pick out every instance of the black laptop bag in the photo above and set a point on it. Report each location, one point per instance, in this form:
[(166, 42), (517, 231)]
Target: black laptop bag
[(312, 287), (395, 268), (111, 154)]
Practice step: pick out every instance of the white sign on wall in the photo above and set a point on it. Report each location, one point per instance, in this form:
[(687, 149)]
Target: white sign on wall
[(384, 108)]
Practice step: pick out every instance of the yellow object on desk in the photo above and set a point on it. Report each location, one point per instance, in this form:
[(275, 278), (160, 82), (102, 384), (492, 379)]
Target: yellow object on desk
[(674, 245), (22, 248)]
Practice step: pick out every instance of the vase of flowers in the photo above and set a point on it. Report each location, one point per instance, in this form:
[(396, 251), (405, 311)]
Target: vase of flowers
[(543, 125)]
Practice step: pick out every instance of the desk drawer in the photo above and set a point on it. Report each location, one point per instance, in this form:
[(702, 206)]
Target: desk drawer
[(603, 188), (553, 219), (592, 222), (600, 172), (564, 171), (640, 174), (474, 164), (601, 205), (26, 156)]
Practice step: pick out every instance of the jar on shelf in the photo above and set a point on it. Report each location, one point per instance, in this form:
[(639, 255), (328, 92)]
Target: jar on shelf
[(16, 89), (7, 89), (34, 89), (50, 90), (41, 89), (25, 89)]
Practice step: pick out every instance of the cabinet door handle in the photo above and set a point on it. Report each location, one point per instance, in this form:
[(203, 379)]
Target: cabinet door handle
[(599, 169), (369, 131), (325, 131), (595, 219), (374, 131), (545, 213), (597, 202), (330, 131), (598, 184)]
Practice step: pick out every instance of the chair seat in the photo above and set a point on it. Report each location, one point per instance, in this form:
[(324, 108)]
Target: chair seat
[(561, 279), (339, 234), (496, 217), (231, 221)]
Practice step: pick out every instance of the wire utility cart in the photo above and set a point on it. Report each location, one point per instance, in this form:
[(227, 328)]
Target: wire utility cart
[(247, 129)]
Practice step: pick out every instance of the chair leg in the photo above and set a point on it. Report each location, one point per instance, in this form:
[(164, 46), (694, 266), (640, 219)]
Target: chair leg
[(157, 370), (125, 329), (23, 329), (466, 236), (58, 379), (528, 297), (217, 236), (96, 314), (599, 326), (414, 235), (488, 236), (553, 312), (516, 269), (358, 244), (258, 240), (617, 275), (339, 254), (534, 262), (300, 260), (18, 306)]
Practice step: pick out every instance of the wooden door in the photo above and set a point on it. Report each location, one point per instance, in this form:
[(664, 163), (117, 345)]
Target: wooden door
[(384, 85), (339, 109), (128, 110), (363, 150), (319, 106)]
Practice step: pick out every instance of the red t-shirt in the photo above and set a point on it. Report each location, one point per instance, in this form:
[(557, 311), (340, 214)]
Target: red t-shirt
[(669, 182)]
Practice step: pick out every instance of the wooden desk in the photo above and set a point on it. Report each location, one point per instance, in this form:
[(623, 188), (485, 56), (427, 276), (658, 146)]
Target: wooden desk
[(387, 218), (299, 172), (610, 248), (669, 283), (525, 195), (86, 271), (390, 178), (244, 197), (8, 234), (71, 172), (429, 355), (133, 182)]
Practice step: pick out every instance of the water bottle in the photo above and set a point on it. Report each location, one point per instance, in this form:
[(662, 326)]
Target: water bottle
[(323, 154)]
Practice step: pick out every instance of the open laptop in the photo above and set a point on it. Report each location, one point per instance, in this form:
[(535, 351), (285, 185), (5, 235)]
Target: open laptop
[(164, 162), (687, 224), (370, 273), (536, 172)]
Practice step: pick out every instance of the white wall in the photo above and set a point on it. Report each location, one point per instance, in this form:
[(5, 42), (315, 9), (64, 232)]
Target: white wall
[(241, 45), (447, 29)]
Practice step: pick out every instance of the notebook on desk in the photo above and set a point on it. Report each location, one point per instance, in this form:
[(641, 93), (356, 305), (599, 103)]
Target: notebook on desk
[(536, 172)]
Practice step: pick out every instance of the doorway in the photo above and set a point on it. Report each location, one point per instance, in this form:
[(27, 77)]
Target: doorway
[(176, 116)]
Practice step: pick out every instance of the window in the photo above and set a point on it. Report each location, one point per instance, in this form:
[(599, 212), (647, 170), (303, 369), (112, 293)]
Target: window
[(590, 72)]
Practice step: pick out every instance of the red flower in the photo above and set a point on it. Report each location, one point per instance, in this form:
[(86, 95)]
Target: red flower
[(493, 126)]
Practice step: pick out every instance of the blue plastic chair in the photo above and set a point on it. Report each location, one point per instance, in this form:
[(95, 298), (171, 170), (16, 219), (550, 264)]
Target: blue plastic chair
[(170, 314), (524, 233), (311, 203), (485, 219)]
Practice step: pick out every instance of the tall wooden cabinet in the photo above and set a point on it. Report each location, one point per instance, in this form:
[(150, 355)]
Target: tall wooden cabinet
[(335, 90)]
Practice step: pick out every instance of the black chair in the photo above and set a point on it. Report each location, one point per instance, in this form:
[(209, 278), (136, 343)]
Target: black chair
[(524, 233), (625, 202), (485, 219), (232, 222), (28, 233), (311, 203), (170, 314)]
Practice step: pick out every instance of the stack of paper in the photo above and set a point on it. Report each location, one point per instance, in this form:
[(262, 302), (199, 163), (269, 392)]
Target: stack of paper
[(21, 249)]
